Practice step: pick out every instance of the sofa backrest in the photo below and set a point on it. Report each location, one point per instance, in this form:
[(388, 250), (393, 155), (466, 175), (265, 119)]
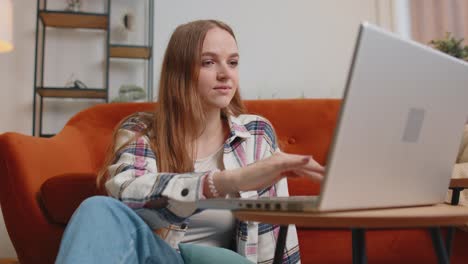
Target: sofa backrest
[(303, 126)]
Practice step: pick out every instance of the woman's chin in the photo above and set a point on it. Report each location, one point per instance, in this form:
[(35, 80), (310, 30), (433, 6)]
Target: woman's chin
[(220, 104)]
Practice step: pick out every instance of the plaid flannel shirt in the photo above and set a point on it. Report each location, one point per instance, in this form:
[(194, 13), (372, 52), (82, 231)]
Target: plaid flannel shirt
[(135, 180)]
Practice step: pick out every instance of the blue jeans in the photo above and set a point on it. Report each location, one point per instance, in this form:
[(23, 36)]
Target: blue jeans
[(104, 230)]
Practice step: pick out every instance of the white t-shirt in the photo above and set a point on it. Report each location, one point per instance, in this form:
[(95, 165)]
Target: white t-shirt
[(211, 227)]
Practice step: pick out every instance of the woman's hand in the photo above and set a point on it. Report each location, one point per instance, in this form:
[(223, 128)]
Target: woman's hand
[(268, 171)]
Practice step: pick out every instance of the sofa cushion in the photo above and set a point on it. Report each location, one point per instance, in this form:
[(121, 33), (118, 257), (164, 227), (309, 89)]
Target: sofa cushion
[(61, 195)]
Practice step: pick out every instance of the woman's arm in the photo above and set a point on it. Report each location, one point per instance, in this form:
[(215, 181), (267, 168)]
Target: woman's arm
[(270, 167), (134, 179), (264, 173)]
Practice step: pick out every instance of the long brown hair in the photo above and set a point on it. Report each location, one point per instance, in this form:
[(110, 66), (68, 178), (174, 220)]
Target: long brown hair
[(179, 115)]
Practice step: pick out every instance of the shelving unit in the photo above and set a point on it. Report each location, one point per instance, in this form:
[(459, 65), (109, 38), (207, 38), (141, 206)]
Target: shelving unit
[(88, 21)]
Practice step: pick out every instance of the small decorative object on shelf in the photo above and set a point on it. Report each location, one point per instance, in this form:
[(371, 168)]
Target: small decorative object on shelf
[(130, 93), (126, 24), (73, 5), (451, 46), (128, 21), (75, 83)]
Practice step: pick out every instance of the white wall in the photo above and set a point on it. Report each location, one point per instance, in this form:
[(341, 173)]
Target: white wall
[(6, 248), (289, 49), (16, 79)]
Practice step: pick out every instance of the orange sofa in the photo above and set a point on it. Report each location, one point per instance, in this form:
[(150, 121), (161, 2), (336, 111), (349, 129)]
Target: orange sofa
[(43, 180)]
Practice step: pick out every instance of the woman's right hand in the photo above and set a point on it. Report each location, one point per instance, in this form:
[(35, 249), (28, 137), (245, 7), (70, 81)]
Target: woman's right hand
[(266, 172)]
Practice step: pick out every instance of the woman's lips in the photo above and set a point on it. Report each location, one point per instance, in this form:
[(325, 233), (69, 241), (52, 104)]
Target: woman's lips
[(223, 89)]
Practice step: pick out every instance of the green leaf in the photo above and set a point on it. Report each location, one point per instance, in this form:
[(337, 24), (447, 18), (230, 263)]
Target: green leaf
[(451, 46)]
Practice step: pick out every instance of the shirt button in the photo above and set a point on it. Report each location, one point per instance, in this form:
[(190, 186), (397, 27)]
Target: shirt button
[(291, 141), (184, 192)]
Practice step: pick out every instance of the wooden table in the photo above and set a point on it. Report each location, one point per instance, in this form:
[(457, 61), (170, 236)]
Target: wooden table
[(432, 217)]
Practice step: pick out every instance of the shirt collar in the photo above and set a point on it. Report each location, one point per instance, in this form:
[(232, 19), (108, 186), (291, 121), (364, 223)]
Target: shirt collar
[(237, 128)]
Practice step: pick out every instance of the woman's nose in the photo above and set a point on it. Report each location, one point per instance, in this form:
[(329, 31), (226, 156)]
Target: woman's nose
[(223, 72)]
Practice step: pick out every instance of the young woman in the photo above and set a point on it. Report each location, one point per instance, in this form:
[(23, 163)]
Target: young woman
[(197, 144)]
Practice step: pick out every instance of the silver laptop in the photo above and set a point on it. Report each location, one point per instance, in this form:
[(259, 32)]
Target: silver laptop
[(400, 126)]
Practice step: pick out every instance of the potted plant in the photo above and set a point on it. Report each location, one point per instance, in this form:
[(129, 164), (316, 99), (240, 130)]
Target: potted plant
[(451, 46)]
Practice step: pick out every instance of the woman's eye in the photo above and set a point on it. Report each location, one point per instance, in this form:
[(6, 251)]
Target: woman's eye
[(207, 63), (234, 63)]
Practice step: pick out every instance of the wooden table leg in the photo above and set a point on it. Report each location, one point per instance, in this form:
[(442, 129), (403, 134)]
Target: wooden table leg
[(359, 246), (449, 240), (280, 244), (456, 195), (439, 246), (451, 230)]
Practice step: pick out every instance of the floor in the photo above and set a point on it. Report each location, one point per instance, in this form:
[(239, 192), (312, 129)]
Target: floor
[(8, 261)]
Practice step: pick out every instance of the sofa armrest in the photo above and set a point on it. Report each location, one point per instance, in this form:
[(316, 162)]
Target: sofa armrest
[(29, 161), (61, 195), (26, 162)]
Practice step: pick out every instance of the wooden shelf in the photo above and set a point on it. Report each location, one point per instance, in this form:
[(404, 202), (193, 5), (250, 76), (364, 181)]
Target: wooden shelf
[(72, 93), (130, 52), (74, 19)]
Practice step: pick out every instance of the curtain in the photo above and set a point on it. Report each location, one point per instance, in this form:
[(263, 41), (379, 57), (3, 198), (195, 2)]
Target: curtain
[(431, 19)]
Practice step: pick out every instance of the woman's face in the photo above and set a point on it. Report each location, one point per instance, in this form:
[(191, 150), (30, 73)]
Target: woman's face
[(219, 77)]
